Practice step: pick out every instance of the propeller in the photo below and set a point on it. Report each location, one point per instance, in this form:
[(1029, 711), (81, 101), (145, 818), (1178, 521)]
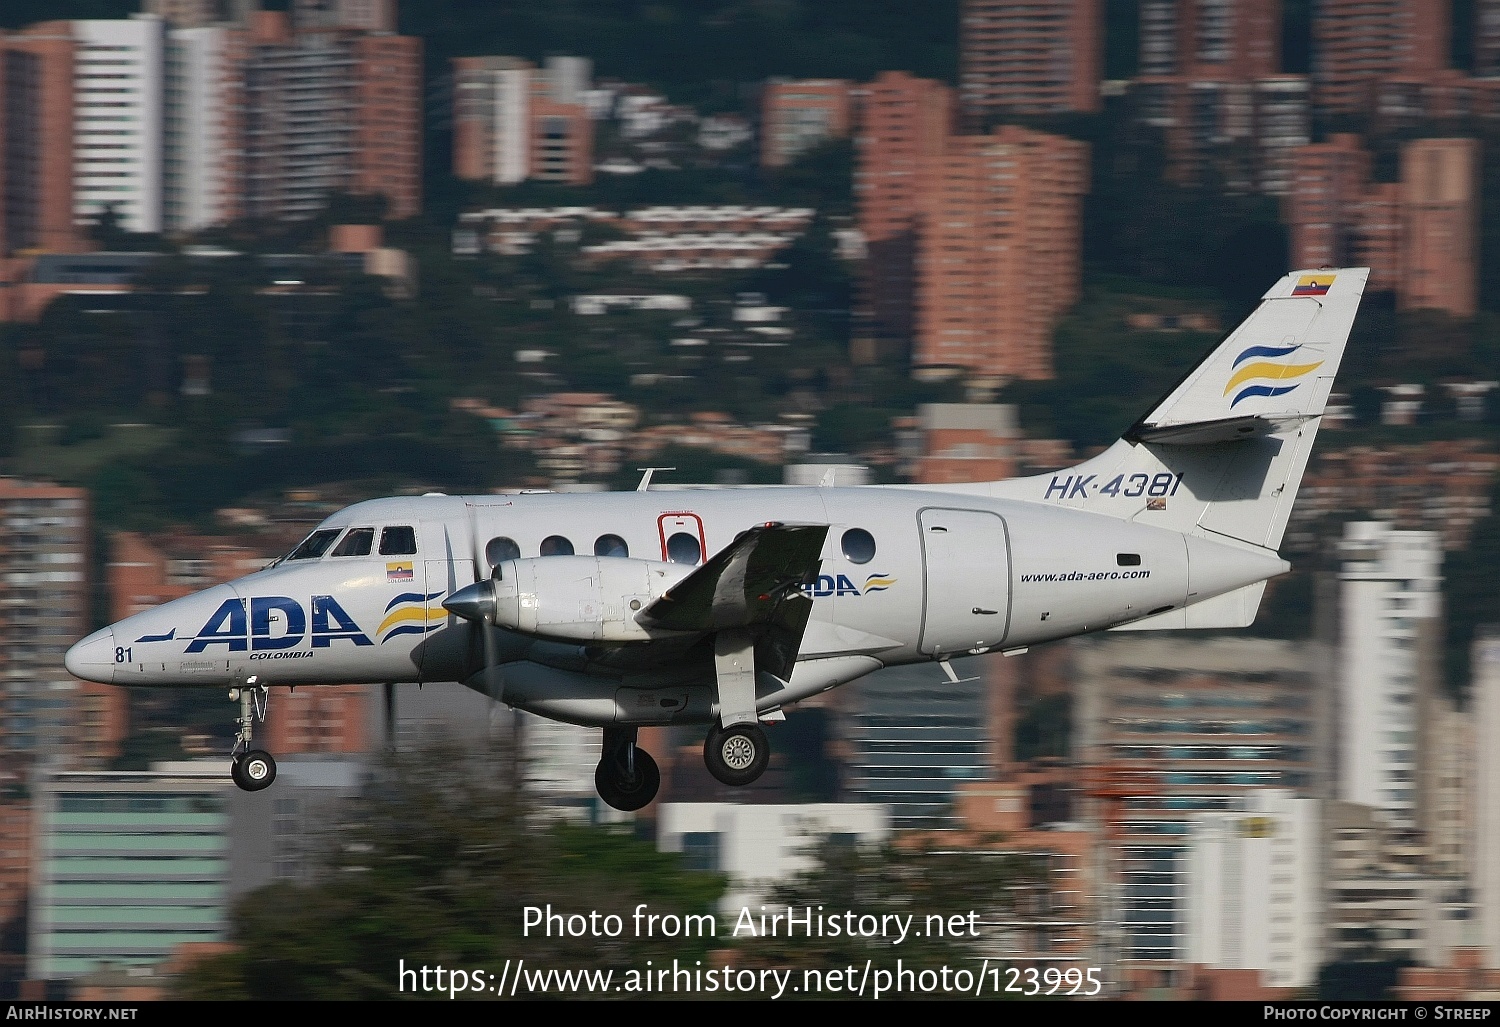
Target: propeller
[(476, 604)]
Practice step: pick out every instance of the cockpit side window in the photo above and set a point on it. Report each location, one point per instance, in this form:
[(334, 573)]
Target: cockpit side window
[(398, 541), (315, 545), (356, 543)]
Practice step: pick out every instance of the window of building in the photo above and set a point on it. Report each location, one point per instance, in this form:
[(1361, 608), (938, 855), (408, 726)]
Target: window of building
[(700, 850)]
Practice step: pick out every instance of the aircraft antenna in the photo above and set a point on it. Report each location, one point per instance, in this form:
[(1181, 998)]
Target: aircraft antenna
[(645, 485)]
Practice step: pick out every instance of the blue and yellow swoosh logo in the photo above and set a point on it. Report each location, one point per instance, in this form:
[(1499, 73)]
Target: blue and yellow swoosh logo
[(1267, 375), (878, 583), (409, 614)]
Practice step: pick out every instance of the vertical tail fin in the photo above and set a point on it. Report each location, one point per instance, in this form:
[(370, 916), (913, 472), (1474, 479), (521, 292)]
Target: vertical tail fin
[(1222, 454)]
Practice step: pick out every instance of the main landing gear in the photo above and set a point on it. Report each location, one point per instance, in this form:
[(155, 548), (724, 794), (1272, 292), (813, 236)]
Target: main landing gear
[(250, 769), (736, 755), (627, 777)]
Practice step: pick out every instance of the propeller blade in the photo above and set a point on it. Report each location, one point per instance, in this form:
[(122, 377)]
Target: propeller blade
[(390, 716)]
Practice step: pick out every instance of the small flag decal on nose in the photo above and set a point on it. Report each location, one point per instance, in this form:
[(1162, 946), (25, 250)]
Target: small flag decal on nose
[(400, 571)]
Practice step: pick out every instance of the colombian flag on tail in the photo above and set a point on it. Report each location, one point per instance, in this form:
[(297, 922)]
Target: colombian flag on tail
[(1313, 285)]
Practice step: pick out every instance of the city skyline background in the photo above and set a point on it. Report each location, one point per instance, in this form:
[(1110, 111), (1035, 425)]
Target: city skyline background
[(259, 261)]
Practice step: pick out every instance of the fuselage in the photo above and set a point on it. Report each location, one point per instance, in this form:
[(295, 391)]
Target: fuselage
[(907, 575)]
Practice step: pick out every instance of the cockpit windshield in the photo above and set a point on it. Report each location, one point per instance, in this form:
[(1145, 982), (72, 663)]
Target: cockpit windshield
[(315, 545)]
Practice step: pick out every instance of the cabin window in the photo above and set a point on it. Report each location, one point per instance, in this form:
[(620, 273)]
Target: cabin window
[(684, 548), (1128, 559), (611, 545), (556, 545), (356, 543), (858, 545), (398, 541), (316, 544), (499, 549)]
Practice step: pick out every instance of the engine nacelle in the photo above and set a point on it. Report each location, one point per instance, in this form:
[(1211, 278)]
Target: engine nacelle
[(581, 598)]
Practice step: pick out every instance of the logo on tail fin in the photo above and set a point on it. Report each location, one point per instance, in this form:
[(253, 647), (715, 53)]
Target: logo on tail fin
[(1267, 369)]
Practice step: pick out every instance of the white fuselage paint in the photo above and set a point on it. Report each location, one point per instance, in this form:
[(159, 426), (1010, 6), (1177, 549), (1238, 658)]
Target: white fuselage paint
[(952, 575)]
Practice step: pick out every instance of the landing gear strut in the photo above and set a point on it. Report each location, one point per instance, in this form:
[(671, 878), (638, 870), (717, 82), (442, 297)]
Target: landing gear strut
[(250, 769), (736, 755), (627, 777)]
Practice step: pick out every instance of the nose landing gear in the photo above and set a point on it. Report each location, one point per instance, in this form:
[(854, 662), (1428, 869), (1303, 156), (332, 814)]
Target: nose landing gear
[(627, 777), (250, 769)]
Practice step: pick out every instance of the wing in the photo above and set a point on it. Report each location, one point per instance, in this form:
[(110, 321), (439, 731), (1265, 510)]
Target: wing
[(756, 583)]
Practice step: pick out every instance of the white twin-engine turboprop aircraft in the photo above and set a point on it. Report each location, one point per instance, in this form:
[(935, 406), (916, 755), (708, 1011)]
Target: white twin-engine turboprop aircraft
[(722, 606)]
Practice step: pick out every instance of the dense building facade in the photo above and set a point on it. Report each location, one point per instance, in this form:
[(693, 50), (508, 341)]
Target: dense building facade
[(1484, 704), (903, 122), (513, 121), (1029, 57), (44, 608), (1359, 43), (799, 115), (1440, 194), (36, 144), (1253, 888), (119, 121), (999, 254), (1390, 632), (1191, 726), (1419, 236)]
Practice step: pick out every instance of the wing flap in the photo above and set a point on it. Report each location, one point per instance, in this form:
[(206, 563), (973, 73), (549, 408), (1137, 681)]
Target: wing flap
[(756, 580)]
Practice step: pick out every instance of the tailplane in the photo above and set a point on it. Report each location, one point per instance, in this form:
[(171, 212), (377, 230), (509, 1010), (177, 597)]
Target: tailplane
[(1222, 454)]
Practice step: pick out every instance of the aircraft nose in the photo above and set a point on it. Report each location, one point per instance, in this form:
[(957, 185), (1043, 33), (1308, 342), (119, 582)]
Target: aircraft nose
[(93, 658)]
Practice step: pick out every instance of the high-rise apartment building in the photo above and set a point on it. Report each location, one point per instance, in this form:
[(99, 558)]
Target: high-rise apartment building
[(1440, 193), (329, 111), (36, 138), (1418, 237), (119, 120), (513, 121), (357, 15), (44, 609), (1389, 644), (998, 256), (1210, 77), (1253, 889), (387, 87), (190, 14), (205, 112), (797, 116), (1225, 40), (1328, 180), (1193, 726), (1487, 38), (1029, 57), (1358, 43), (1484, 860), (903, 121)]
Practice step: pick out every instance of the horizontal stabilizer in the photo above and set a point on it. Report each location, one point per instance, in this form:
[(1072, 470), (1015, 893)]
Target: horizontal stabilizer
[(1225, 429)]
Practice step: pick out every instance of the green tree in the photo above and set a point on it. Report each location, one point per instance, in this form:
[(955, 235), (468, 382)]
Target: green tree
[(435, 863)]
